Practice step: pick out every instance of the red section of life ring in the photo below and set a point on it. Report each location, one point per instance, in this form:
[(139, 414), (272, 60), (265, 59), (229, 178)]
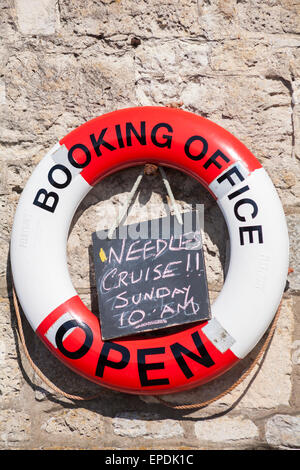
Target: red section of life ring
[(165, 136), (172, 362)]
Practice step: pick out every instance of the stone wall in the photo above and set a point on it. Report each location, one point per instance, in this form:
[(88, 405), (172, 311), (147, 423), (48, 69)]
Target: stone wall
[(63, 62)]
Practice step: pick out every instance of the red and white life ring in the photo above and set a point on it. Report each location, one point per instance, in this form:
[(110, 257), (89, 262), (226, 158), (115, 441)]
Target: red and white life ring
[(258, 237)]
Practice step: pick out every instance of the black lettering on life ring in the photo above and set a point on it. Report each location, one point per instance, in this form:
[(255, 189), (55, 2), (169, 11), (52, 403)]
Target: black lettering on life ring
[(131, 130), (203, 359), (167, 137), (49, 206), (189, 143), (64, 328), (143, 367), (227, 176), (119, 136), (100, 141), (86, 152), (241, 202), (213, 159), (238, 192), (105, 362), (57, 184), (250, 229)]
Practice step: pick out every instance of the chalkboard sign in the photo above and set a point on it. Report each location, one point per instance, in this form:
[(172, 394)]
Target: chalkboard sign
[(150, 275)]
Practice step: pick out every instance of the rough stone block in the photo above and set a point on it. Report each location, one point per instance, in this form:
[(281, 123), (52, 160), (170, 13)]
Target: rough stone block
[(283, 431), (160, 60), (146, 425), (11, 378), (15, 428), (7, 209), (227, 431), (231, 19), (78, 423), (293, 221), (2, 93), (53, 94), (296, 121), (120, 19), (37, 16)]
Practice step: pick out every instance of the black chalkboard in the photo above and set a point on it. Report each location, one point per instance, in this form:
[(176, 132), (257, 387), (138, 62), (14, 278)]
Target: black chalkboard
[(150, 275)]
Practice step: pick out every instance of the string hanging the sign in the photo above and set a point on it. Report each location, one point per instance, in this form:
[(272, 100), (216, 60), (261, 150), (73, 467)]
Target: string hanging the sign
[(132, 193)]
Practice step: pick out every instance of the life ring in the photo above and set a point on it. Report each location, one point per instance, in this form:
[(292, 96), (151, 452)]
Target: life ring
[(258, 237)]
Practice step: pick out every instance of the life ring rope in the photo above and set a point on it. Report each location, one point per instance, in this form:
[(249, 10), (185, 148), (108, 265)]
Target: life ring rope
[(132, 193)]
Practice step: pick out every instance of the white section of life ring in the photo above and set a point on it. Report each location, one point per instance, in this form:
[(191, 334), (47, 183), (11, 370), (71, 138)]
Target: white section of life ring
[(252, 295), (39, 243)]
